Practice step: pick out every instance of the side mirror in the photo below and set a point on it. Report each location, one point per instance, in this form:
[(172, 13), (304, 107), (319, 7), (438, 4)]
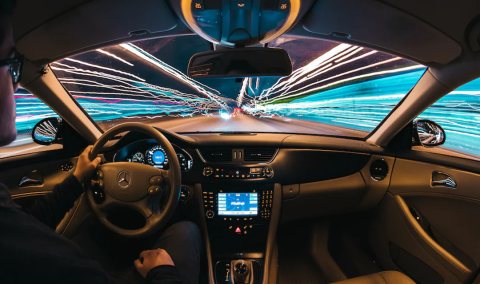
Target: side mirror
[(427, 133), (47, 131)]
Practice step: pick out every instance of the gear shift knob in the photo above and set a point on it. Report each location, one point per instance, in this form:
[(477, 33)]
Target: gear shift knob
[(242, 272), (241, 267)]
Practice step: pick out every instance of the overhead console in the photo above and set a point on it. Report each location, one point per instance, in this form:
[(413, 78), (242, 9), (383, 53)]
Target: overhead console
[(240, 23)]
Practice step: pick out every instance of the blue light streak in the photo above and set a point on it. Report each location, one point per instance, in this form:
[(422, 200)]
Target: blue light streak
[(459, 115)]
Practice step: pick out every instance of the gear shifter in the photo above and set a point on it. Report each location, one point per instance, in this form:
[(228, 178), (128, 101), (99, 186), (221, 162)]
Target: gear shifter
[(242, 272)]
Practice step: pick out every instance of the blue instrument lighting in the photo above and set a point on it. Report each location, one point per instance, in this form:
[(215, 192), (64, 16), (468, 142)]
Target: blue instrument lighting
[(158, 157)]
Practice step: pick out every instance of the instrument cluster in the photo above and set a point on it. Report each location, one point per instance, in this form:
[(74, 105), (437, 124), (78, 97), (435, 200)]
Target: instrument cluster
[(151, 153)]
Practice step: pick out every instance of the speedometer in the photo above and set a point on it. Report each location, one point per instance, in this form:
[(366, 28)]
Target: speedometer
[(138, 158), (157, 157)]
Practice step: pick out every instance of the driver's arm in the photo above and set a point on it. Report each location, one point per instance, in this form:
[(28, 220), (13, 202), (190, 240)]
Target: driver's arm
[(51, 208)]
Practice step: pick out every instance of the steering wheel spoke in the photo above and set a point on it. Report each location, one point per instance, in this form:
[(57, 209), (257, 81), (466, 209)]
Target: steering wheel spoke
[(137, 186), (107, 203), (143, 206)]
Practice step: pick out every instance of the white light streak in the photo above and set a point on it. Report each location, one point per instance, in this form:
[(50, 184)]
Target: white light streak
[(114, 56)]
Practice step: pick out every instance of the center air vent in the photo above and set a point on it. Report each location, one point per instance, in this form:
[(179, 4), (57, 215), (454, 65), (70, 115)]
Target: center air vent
[(217, 154), (259, 154), (379, 170)]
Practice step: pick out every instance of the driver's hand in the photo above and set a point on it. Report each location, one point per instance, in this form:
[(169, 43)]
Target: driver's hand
[(85, 167), (151, 259)]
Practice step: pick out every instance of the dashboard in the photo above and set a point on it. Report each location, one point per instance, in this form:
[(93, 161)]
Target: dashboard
[(151, 153), (316, 175)]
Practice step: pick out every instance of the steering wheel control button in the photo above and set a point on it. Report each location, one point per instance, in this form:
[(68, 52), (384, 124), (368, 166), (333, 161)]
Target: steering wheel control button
[(207, 171), (154, 189), (210, 214), (99, 174), (156, 180), (97, 184)]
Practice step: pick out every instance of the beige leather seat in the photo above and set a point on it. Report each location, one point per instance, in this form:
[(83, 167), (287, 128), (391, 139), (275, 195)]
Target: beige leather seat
[(385, 277)]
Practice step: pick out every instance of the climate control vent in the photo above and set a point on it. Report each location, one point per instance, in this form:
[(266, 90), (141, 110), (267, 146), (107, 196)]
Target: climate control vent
[(217, 154), (259, 154), (379, 170)]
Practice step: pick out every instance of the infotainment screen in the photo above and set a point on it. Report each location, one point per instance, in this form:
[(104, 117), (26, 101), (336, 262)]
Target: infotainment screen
[(237, 204)]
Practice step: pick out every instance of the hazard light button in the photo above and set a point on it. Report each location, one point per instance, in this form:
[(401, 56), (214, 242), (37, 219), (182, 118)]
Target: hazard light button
[(238, 230)]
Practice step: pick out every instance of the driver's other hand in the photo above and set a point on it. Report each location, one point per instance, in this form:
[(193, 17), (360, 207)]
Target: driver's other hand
[(85, 167), (151, 259)]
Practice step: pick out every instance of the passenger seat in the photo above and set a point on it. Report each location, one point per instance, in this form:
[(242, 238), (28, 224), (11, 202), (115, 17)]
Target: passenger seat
[(385, 277)]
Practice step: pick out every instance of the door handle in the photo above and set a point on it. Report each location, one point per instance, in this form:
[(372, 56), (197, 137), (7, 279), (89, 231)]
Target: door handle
[(443, 179), (26, 181)]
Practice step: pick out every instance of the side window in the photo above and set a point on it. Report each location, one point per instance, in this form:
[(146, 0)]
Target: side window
[(30, 110), (459, 115)]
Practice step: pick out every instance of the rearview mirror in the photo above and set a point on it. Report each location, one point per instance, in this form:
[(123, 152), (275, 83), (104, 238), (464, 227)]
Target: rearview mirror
[(46, 131), (427, 133), (244, 62)]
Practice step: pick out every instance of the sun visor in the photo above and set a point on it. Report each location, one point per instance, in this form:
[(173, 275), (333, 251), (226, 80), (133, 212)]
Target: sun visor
[(375, 23), (96, 22)]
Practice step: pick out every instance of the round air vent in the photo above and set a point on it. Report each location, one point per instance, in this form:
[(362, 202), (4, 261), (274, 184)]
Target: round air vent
[(379, 170)]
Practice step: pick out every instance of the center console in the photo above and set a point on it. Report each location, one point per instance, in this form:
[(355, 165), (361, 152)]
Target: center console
[(238, 223)]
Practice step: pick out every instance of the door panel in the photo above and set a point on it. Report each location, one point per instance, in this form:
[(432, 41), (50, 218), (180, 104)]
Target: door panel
[(435, 226), (52, 170)]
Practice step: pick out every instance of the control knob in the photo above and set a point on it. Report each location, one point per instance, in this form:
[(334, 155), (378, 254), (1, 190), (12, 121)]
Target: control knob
[(267, 172), (207, 171), (210, 214)]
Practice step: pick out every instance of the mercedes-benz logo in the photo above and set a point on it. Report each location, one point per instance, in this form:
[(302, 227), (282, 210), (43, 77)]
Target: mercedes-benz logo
[(124, 179)]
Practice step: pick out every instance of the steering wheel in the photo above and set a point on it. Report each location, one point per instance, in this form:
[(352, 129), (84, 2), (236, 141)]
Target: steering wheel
[(134, 185)]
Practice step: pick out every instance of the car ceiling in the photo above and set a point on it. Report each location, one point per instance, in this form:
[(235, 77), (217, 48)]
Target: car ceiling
[(38, 12), (450, 17)]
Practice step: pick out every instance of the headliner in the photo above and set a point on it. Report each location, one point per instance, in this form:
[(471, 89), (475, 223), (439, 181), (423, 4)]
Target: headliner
[(450, 17)]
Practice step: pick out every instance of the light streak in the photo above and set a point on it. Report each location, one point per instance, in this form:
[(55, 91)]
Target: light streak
[(104, 68), (201, 88), (114, 56), (350, 79), (243, 90)]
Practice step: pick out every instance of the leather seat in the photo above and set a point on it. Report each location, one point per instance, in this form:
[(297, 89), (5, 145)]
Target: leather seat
[(385, 277)]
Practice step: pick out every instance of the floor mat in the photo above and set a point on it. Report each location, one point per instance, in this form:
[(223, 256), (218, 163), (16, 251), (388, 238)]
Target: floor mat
[(295, 264), (349, 246), (299, 269)]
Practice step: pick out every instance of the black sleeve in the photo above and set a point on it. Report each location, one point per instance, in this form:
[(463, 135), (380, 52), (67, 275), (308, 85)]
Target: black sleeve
[(51, 208), (164, 274)]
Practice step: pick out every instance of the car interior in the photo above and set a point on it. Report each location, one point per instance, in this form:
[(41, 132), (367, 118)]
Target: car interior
[(311, 141)]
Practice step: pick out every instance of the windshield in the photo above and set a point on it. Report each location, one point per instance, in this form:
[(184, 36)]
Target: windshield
[(335, 88)]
